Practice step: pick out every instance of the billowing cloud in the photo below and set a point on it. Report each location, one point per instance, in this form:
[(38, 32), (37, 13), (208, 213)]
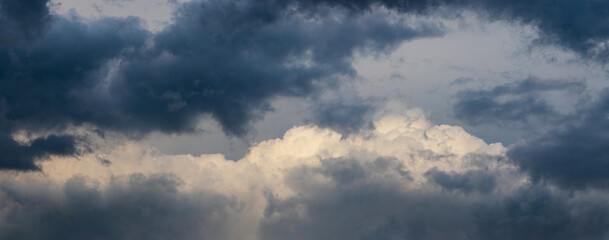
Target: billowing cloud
[(51, 84), (404, 178), (229, 59), (219, 59), (70, 88)]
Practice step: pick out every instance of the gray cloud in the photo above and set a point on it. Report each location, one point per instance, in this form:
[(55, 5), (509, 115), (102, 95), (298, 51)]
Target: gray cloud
[(22, 20), (234, 61), (573, 155), (536, 212), (579, 26), (344, 117), (364, 203), (473, 180), (133, 207), (220, 59), (375, 185), (523, 103), (565, 149), (50, 84), (226, 60)]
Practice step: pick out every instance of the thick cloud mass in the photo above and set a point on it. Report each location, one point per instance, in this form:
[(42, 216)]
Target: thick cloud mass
[(580, 26), (224, 59), (574, 156), (219, 58), (50, 84), (571, 152), (405, 178), (229, 58), (567, 149), (399, 177), (130, 207), (22, 20)]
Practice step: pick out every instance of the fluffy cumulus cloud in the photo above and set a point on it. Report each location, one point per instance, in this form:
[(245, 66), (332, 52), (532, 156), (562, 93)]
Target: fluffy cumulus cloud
[(405, 178)]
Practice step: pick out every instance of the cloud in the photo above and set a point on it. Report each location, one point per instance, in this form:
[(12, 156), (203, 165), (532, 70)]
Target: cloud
[(50, 84), (373, 210), (17, 156), (219, 59), (241, 56), (130, 207), (578, 26), (401, 177), (563, 149), (473, 180), (344, 117), (572, 155), (22, 20), (404, 178), (225, 60), (515, 103)]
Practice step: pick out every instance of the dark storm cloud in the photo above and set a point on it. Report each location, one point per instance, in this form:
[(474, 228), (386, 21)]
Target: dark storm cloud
[(517, 102), (134, 207), (49, 82), (582, 26), (575, 155), (364, 202), (229, 59), (536, 212), (226, 59), (470, 181), (344, 117), (21, 157), (568, 150), (22, 20)]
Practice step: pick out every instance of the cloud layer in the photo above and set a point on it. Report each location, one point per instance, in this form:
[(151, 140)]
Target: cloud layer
[(221, 59), (83, 92), (405, 178)]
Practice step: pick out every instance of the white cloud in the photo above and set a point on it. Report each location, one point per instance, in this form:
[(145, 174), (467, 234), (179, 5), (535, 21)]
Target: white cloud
[(404, 178), (410, 141)]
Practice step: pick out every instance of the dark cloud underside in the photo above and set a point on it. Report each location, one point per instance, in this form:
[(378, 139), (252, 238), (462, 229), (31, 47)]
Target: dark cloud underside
[(582, 26), (226, 59), (363, 202), (132, 207), (219, 58), (516, 103), (574, 156)]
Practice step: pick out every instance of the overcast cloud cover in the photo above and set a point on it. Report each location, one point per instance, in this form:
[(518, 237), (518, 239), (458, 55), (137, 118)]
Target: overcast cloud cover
[(304, 119)]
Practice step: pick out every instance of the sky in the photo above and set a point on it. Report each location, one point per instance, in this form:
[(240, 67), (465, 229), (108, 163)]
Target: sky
[(304, 119)]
